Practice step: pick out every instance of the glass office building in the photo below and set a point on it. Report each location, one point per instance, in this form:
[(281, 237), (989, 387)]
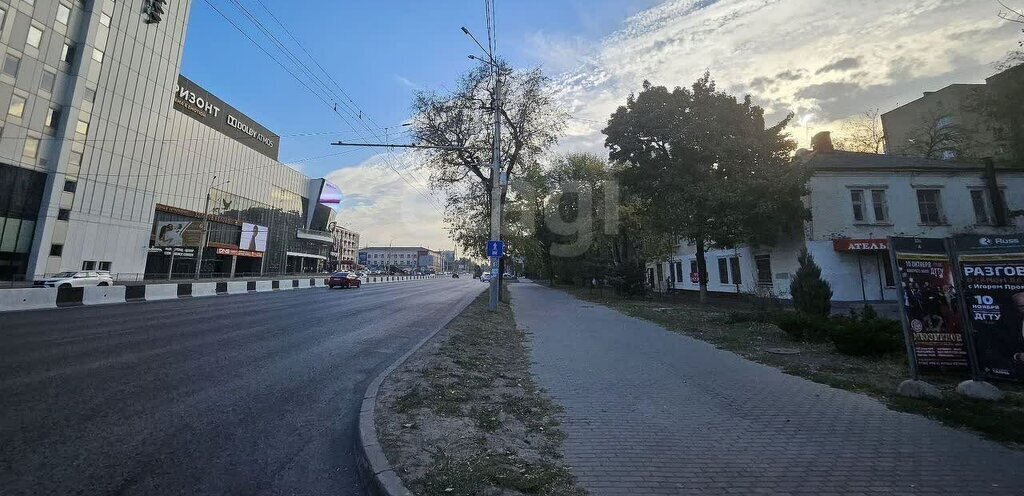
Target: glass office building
[(102, 139)]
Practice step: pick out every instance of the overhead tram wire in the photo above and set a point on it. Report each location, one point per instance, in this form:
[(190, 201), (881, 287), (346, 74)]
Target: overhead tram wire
[(309, 73), (354, 109), (315, 93)]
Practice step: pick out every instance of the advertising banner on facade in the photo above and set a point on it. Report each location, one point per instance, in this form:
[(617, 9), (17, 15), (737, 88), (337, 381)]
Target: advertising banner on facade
[(177, 233), (254, 238), (992, 277), (239, 253), (931, 313)]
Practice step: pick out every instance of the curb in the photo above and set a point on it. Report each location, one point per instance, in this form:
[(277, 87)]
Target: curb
[(378, 476)]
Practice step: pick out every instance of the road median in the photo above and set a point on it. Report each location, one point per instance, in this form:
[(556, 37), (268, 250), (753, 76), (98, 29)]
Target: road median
[(463, 416)]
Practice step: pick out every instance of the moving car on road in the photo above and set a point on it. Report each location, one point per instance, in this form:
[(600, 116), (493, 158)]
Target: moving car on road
[(75, 279), (343, 280), (485, 277), (455, 275)]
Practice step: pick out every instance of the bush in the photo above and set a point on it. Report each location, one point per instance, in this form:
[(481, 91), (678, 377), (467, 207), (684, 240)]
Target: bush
[(811, 294), (804, 327), (866, 334)]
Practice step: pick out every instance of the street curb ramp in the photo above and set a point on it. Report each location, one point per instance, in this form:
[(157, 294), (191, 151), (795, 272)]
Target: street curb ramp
[(376, 472)]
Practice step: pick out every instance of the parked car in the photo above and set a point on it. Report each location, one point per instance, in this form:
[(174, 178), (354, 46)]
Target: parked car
[(455, 275), (344, 280), (485, 277), (77, 279)]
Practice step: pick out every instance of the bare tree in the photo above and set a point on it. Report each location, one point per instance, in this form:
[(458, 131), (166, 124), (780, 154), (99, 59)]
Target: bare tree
[(463, 121), (938, 137), (862, 133)]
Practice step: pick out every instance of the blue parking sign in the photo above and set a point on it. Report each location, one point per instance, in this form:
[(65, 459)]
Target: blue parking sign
[(495, 248)]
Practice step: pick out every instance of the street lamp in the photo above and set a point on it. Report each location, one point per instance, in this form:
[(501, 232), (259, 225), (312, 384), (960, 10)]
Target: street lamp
[(206, 224)]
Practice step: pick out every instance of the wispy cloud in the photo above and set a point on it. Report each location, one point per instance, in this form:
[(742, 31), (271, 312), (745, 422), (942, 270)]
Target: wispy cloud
[(404, 81), (821, 59)]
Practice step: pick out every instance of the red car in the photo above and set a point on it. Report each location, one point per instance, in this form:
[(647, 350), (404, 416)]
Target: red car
[(343, 280)]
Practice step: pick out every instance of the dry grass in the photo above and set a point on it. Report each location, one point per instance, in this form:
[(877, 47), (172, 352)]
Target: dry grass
[(464, 417), (819, 362)]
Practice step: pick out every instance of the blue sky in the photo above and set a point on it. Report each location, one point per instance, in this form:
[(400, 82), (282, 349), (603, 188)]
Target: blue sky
[(823, 60), (378, 51)]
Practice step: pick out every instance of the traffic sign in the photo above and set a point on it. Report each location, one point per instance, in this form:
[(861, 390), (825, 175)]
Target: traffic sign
[(495, 248)]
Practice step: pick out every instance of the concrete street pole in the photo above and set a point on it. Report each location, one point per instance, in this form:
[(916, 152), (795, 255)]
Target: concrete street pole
[(496, 187)]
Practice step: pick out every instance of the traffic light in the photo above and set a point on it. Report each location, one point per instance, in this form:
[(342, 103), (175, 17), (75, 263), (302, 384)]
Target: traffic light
[(154, 10)]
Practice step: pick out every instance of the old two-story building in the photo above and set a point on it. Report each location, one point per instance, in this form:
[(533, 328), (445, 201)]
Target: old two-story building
[(858, 200), (406, 258)]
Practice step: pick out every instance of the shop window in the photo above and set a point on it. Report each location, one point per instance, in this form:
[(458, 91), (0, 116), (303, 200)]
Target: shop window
[(63, 14), (17, 107), (47, 81), (890, 278), (734, 264), (764, 269), (723, 271), (11, 64), (56, 250), (70, 186), (89, 265), (63, 214)]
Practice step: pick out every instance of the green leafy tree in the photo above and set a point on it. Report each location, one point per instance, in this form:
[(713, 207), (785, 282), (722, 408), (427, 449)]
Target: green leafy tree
[(700, 166), (812, 295)]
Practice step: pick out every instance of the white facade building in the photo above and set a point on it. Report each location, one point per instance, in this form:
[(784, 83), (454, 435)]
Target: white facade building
[(403, 257), (857, 201)]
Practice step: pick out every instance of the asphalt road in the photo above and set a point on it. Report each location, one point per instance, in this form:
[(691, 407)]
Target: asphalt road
[(246, 394)]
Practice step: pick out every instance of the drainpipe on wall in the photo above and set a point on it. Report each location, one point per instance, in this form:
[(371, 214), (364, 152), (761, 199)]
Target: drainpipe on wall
[(994, 194)]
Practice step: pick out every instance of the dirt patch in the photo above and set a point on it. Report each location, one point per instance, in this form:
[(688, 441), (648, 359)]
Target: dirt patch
[(463, 416), (714, 323)]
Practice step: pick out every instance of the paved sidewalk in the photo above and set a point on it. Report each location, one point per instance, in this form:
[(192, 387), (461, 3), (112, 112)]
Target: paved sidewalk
[(648, 411)]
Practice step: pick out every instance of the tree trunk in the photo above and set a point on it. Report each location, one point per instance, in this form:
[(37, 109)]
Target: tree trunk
[(702, 271)]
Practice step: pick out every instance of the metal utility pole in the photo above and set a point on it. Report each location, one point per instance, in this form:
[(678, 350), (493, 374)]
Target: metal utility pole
[(206, 227)]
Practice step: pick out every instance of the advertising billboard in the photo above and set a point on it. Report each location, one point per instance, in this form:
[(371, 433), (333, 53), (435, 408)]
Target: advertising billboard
[(194, 101), (932, 322), (992, 276), (254, 238), (177, 233)]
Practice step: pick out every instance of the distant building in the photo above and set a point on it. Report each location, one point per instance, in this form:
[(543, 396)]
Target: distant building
[(405, 258), (858, 200), (346, 247), (951, 123), (447, 260)]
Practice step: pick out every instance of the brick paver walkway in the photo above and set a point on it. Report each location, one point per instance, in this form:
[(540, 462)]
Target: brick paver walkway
[(648, 411)]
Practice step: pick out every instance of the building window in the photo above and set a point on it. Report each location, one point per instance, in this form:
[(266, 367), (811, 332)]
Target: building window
[(75, 159), (764, 269), (105, 20), (88, 265), (35, 37), (56, 250), (97, 55), (723, 271), (47, 81), (11, 64), (879, 205), (105, 266), (63, 214), (857, 198), (53, 118), (944, 122), (67, 54), (17, 108), (31, 3), (679, 271), (930, 205), (89, 95), (31, 150), (70, 186), (734, 265), (980, 202), (693, 267), (948, 154), (63, 14)]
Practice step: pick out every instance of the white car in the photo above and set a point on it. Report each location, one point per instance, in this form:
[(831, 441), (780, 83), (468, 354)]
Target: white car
[(485, 277), (78, 279)]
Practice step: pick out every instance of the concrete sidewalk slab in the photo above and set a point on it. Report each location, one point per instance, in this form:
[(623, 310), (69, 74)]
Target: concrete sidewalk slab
[(649, 411)]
